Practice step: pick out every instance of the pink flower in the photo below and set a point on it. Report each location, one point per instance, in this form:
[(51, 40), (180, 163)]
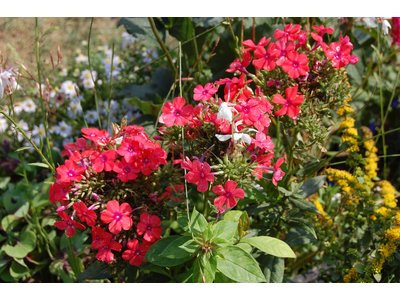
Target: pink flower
[(295, 64), (103, 161), (131, 148), (70, 171), (204, 94), (240, 64), (264, 142), (118, 216), (85, 214), (176, 112), (150, 227), (251, 46), (266, 58), (136, 253), (68, 224), (284, 50), (292, 102), (58, 191), (278, 173), (95, 135), (288, 33), (126, 171), (200, 174), (228, 194), (105, 247)]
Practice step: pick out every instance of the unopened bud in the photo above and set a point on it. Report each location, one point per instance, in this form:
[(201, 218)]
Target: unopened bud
[(59, 54), (51, 58)]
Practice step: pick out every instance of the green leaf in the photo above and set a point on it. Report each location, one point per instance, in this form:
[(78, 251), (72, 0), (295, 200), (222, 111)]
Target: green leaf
[(23, 148), (4, 182), (154, 256), (9, 222), (233, 215), (270, 246), (180, 248), (97, 270), (359, 268), (244, 224), (207, 21), (146, 107), (257, 208), (304, 224), (246, 247), (15, 203), (141, 29), (182, 29), (238, 265), (17, 271), (273, 268), (23, 246), (309, 168), (298, 236), (312, 186), (378, 277), (38, 164), (157, 269), (226, 230), (197, 222), (304, 204), (221, 278), (204, 269)]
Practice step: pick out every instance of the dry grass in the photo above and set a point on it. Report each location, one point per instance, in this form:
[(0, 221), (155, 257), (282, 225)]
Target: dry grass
[(18, 38)]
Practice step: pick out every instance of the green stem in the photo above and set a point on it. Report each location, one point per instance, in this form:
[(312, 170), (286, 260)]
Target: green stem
[(91, 74), (205, 203), (109, 96), (169, 58), (30, 141), (40, 94)]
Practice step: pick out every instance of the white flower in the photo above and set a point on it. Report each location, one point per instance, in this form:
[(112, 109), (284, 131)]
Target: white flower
[(128, 39), (386, 26), (38, 133), (29, 106), (7, 79), (63, 129), (3, 124), (370, 22), (236, 136), (88, 83), (86, 75), (23, 125), (99, 82), (75, 105), (63, 72), (68, 88), (81, 59), (17, 108), (91, 116), (149, 55), (224, 112)]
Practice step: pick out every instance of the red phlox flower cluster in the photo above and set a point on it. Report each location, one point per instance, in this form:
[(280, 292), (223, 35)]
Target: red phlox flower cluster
[(395, 31), (176, 113), (340, 53), (228, 194)]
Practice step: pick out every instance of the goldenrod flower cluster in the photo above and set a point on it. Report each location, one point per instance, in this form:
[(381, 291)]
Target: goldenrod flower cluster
[(371, 160), (345, 110), (350, 135), (351, 276), (348, 183), (376, 265), (347, 123), (388, 193), (387, 249)]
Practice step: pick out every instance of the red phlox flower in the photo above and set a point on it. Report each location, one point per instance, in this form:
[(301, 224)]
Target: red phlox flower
[(284, 50), (186, 164), (131, 148), (200, 175), (176, 113), (85, 214), (95, 135), (296, 64), (70, 171), (136, 252), (118, 216), (316, 37), (339, 53), (174, 193), (263, 161), (97, 237), (251, 46), (301, 39), (289, 33), (240, 64), (291, 104), (151, 159), (204, 93), (79, 157), (103, 161), (395, 31), (264, 142), (107, 245), (228, 194), (266, 58), (58, 191), (126, 171), (80, 145), (227, 80), (249, 111), (68, 224), (322, 30), (278, 173), (134, 130), (150, 227)]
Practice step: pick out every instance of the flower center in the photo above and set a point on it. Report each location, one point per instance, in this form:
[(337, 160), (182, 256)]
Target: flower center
[(137, 253), (202, 175), (71, 174), (228, 195), (126, 170), (295, 65), (177, 112), (104, 159), (117, 216), (149, 227)]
